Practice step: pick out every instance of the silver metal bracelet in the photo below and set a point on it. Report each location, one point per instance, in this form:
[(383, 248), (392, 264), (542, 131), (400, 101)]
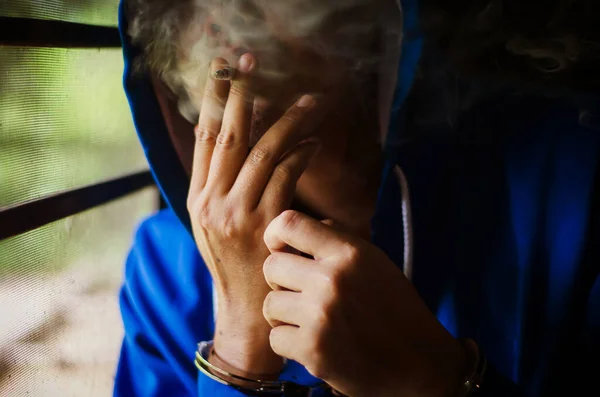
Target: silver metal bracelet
[(251, 387), (475, 377)]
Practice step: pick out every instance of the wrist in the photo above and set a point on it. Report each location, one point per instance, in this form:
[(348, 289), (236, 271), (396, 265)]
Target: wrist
[(242, 344), (453, 371), (447, 376)]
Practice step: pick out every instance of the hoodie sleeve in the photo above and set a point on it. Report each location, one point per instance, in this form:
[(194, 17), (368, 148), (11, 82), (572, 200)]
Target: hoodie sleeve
[(166, 306)]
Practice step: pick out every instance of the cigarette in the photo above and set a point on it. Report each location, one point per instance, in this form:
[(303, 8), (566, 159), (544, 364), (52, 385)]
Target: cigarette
[(224, 74)]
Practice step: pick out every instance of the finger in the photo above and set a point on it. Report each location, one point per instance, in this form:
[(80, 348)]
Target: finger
[(281, 188), (282, 137), (335, 225), (209, 124), (285, 341), (288, 271), (305, 234), (284, 307), (231, 148)]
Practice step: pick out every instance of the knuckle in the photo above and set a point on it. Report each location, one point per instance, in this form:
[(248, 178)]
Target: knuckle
[(227, 139), (274, 337), (260, 154), (200, 211), (204, 214), (350, 253), (277, 340), (283, 173), (269, 264), (290, 219), (228, 226), (268, 303), (205, 134), (331, 276), (191, 205), (332, 281), (322, 316), (219, 221)]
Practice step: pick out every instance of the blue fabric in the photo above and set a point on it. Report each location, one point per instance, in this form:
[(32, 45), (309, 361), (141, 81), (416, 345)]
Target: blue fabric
[(503, 228), (152, 130), (502, 223), (166, 304)]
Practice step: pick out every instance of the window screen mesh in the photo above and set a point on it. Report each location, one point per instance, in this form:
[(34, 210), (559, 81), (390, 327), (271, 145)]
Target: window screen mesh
[(64, 124), (64, 121), (61, 330), (89, 12)]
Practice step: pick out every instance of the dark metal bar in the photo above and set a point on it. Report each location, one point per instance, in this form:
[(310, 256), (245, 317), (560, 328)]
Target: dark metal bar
[(23, 217), (24, 32)]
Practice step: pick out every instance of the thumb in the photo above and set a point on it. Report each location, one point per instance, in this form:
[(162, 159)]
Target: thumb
[(329, 222)]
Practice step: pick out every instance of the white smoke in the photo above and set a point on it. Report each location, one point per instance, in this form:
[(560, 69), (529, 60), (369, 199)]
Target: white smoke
[(338, 29)]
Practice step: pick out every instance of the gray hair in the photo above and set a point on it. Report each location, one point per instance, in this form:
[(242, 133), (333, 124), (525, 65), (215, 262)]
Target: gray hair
[(180, 37)]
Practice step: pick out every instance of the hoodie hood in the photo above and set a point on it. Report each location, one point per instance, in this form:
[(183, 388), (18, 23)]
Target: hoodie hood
[(396, 76)]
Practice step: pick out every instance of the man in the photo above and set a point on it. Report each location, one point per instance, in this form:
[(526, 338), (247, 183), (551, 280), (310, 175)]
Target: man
[(319, 293)]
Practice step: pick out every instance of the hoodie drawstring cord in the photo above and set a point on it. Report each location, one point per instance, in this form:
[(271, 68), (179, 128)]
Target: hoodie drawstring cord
[(406, 223)]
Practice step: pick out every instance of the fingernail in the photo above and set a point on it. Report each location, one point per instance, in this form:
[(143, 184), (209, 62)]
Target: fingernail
[(306, 101), (245, 64)]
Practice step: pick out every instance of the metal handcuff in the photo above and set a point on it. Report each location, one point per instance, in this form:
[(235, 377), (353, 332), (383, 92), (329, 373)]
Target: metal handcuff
[(268, 388)]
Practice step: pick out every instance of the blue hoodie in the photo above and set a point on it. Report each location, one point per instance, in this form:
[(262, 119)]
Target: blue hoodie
[(507, 244)]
